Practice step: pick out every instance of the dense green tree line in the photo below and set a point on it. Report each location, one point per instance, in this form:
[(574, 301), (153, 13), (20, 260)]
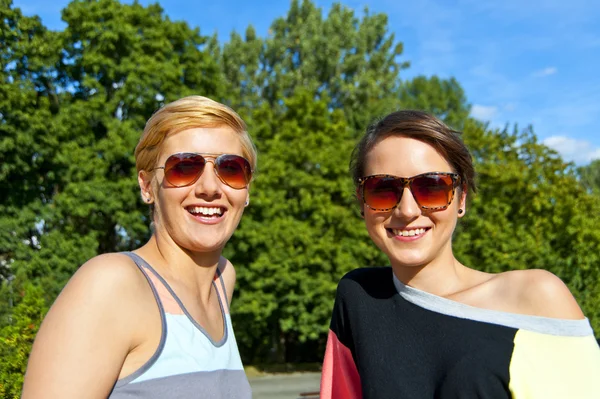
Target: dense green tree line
[(73, 104), (590, 176)]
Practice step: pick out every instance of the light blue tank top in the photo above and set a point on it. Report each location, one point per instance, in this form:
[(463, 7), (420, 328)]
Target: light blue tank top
[(187, 362)]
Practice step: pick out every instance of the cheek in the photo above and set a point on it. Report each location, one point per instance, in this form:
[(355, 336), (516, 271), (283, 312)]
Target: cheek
[(237, 197), (165, 197), (170, 199), (374, 222), (446, 219)]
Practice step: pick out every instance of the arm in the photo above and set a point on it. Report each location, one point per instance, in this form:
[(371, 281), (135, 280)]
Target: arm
[(339, 377), (87, 334), (548, 366), (561, 364)]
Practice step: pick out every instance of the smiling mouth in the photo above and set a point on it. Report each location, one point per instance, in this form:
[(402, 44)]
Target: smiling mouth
[(206, 211), (408, 232)]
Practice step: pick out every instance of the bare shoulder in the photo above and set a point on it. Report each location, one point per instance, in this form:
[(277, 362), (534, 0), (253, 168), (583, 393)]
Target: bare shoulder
[(229, 276), (104, 292), (89, 331), (114, 268), (108, 282), (539, 293), (112, 277)]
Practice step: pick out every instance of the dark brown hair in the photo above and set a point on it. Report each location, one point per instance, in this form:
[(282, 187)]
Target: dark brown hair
[(420, 126)]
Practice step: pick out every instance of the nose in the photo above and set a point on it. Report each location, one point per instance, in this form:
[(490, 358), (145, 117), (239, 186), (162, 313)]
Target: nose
[(208, 184), (407, 208)]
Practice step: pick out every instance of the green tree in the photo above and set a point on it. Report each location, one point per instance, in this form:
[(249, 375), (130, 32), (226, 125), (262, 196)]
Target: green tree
[(117, 64), (16, 339), (27, 102), (72, 107), (306, 90), (530, 212), (590, 176), (351, 62), (444, 98), (302, 232)]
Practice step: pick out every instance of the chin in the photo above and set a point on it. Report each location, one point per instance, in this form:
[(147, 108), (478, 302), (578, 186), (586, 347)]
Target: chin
[(207, 246), (408, 260), (200, 245)]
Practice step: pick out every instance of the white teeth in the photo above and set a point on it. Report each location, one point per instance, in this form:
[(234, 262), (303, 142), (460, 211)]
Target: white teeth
[(409, 233), (206, 211)]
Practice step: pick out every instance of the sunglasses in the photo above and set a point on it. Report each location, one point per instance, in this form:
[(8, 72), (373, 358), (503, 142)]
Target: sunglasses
[(432, 191), (184, 169)]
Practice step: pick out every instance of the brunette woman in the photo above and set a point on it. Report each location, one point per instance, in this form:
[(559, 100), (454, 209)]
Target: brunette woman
[(429, 326)]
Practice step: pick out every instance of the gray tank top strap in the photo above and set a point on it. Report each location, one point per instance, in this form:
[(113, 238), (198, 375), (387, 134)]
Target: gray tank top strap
[(224, 290), (142, 265), (145, 268)]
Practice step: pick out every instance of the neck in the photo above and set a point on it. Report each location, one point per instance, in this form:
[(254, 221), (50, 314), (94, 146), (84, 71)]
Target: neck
[(443, 276), (194, 270)]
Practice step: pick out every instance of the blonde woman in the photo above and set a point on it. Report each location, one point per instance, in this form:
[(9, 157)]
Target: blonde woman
[(154, 323)]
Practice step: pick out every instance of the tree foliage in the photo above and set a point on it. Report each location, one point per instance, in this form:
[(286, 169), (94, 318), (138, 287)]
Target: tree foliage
[(16, 339), (590, 176), (73, 104), (71, 140), (530, 212), (305, 109)]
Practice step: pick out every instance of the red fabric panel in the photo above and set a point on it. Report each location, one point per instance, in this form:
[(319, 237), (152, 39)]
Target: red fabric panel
[(340, 378)]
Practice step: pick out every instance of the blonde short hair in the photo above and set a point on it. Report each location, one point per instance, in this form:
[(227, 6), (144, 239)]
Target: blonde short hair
[(188, 113)]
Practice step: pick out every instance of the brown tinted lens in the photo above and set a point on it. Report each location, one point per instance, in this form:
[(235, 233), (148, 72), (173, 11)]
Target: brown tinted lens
[(382, 192), (432, 191), (234, 170), (184, 169)]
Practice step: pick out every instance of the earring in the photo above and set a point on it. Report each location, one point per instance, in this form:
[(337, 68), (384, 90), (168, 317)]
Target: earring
[(148, 199), (247, 202), (460, 211)]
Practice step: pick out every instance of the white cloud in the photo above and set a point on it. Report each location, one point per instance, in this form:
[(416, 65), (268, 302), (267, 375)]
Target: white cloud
[(483, 112), (578, 151), (545, 72)]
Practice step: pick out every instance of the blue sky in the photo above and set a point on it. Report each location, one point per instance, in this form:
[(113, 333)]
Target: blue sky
[(520, 61)]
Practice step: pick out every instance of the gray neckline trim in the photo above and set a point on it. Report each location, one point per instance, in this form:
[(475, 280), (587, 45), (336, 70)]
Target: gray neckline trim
[(538, 324), (216, 344)]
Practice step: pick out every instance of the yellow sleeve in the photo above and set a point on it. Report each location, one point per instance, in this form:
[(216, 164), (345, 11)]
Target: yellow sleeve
[(547, 366)]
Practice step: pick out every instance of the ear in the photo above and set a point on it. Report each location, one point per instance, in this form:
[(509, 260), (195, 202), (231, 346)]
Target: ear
[(145, 182), (463, 202), (247, 195)]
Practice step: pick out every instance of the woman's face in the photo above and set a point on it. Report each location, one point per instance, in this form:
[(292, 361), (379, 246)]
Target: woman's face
[(200, 217), (409, 235)]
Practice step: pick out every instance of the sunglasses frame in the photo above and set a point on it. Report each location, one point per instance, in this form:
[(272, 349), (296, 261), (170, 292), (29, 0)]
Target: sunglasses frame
[(208, 157), (406, 183)]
